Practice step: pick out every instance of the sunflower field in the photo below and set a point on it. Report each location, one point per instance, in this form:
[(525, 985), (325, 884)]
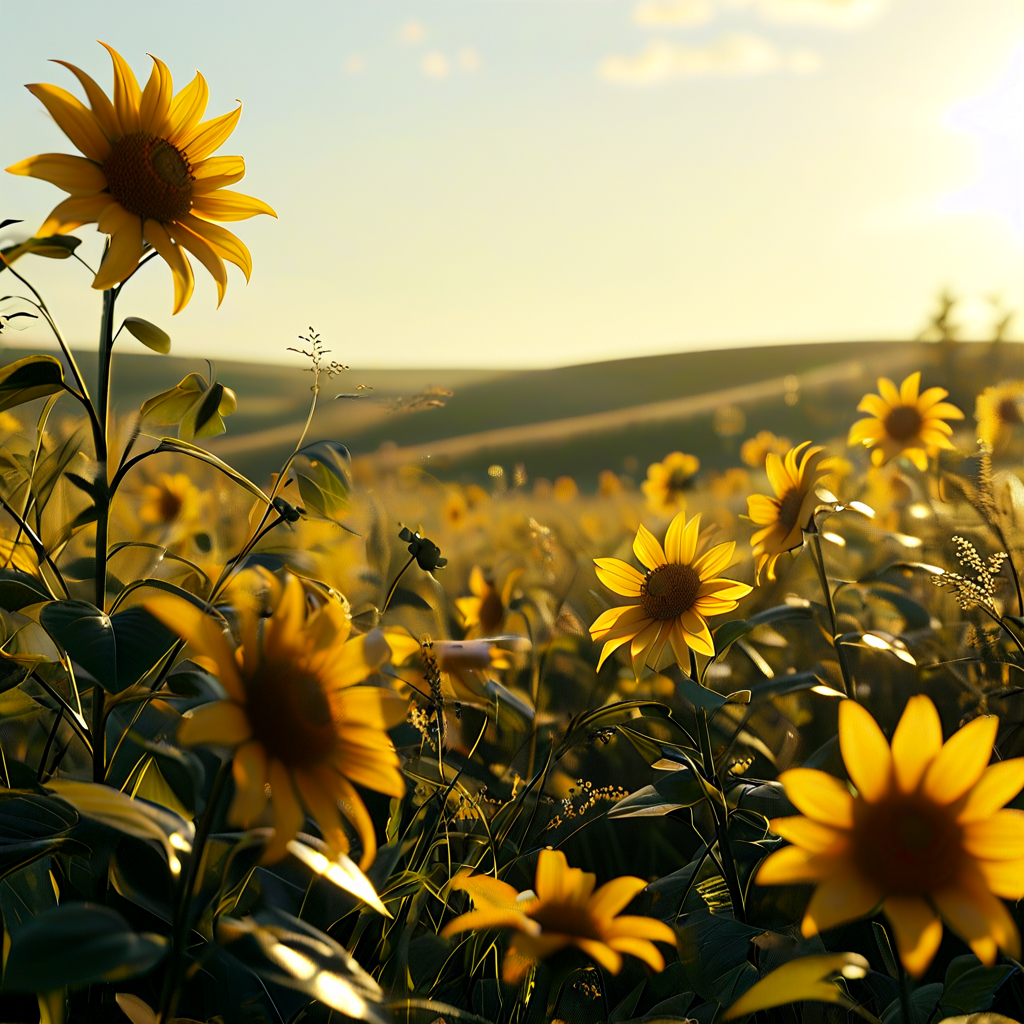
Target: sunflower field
[(357, 743)]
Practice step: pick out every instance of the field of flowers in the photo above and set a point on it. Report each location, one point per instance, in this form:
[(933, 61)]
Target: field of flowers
[(355, 742)]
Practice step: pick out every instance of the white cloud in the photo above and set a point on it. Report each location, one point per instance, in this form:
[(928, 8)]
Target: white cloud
[(413, 32), (735, 55), (837, 13), (436, 65), (469, 59), (674, 12), (355, 64)]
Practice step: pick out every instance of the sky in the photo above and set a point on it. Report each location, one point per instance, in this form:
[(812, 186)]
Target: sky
[(514, 183)]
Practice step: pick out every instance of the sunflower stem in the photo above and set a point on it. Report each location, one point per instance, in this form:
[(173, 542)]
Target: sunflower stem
[(906, 991), (394, 586), (818, 558), (183, 911)]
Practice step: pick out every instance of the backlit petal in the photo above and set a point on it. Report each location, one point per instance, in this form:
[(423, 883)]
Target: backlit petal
[(155, 103), (712, 562), (962, 760), (102, 108), (909, 388), (125, 249), (865, 751), (127, 94), (216, 172), (643, 950), (647, 549), (793, 866), (916, 742), (203, 251), (843, 896), (226, 205), (889, 392), (998, 785), (619, 576), (288, 815), (181, 270), (224, 243), (222, 723), (917, 931), (74, 174), (75, 120), (819, 795), (249, 768), (807, 834), (187, 109), (202, 140), (1000, 837), (614, 896), (73, 213)]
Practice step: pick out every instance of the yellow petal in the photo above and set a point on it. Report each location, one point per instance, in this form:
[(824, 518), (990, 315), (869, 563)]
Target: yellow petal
[(102, 108), (1005, 878), (961, 761), (909, 388), (551, 870), (485, 919), (486, 890), (249, 769), (222, 723), (793, 866), (73, 213), (889, 392), (875, 405), (807, 834), (216, 172), (820, 796), (643, 950), (615, 895), (74, 174), (198, 143), (978, 917), (155, 104), (323, 807), (917, 931), (843, 896), (125, 249), (354, 809), (617, 621), (75, 120), (619, 577), (203, 251), (865, 751), (639, 928), (916, 742), (698, 635), (777, 475), (181, 270), (601, 954), (226, 205), (998, 785), (288, 814), (1000, 837), (647, 549), (127, 94), (226, 245), (712, 562)]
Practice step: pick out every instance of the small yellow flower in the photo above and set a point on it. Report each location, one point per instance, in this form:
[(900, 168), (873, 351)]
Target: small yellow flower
[(455, 510), (784, 517), (148, 175), (294, 713), (563, 910), (668, 481), (484, 612), (904, 422), (674, 597), (565, 490), (923, 834), (756, 449), (999, 410), (608, 483), (172, 501)]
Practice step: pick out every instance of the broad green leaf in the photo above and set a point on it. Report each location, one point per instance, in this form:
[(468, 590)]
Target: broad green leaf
[(971, 987), (149, 334), (607, 717), (701, 697), (30, 378), (322, 473), (18, 589), (52, 247), (32, 825), (799, 980), (78, 944), (194, 405), (86, 634), (679, 789), (729, 632)]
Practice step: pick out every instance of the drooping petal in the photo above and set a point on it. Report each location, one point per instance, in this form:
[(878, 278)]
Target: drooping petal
[(322, 805), (249, 768), (226, 245), (73, 213), (354, 809), (978, 917), (203, 251), (288, 814), (962, 760), (102, 108), (643, 950), (127, 94), (917, 931), (222, 723), (601, 954), (698, 635), (181, 270), (125, 249), (75, 120), (74, 174), (865, 751), (226, 205), (819, 795), (998, 785), (916, 742)]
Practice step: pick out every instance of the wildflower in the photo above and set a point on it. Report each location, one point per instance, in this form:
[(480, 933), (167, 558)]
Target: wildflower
[(172, 500), (756, 449), (979, 589), (294, 713), (903, 422), (565, 490), (485, 610), (147, 175), (673, 598), (563, 911), (455, 510), (668, 480), (923, 834), (998, 411), (785, 517)]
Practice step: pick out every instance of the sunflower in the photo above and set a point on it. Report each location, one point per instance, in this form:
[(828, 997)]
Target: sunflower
[(674, 597), (923, 835), (564, 910), (172, 501), (904, 422), (147, 175), (294, 713), (756, 449), (998, 410), (484, 612), (784, 517), (668, 480)]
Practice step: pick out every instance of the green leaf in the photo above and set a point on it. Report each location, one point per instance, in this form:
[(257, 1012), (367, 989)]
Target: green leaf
[(729, 632), (322, 473), (701, 697), (78, 944), (31, 826), (149, 334), (805, 978), (684, 788), (974, 989), (18, 589), (194, 405), (173, 444), (28, 379), (583, 725), (713, 951), (52, 247)]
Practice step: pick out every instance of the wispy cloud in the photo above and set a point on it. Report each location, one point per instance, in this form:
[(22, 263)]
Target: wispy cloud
[(674, 12), (735, 55)]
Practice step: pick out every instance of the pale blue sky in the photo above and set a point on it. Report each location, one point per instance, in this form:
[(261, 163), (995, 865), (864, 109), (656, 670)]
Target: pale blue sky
[(538, 182)]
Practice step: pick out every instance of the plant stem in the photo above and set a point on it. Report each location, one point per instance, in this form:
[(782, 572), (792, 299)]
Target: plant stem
[(184, 910), (819, 563), (394, 586)]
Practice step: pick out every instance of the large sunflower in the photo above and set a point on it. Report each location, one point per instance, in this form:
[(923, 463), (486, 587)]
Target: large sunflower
[(674, 597), (923, 836), (784, 517), (563, 911), (295, 714), (147, 175), (999, 410), (904, 421)]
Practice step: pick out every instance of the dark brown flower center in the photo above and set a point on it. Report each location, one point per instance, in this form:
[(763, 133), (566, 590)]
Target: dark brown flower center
[(679, 480), (1009, 411), (169, 505), (669, 590), (149, 177), (291, 715), (566, 919), (492, 611), (903, 422), (789, 507), (907, 844)]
